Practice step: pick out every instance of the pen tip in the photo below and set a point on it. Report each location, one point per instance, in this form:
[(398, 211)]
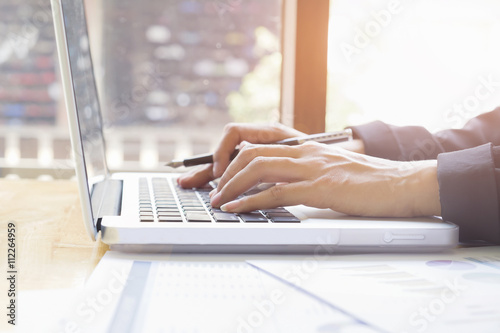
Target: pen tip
[(174, 164)]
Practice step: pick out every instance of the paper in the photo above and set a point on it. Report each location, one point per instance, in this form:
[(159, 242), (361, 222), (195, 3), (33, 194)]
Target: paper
[(448, 292), (211, 293)]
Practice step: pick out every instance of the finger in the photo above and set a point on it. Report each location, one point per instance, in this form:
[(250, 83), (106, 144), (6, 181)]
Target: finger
[(230, 140), (259, 133), (249, 153), (197, 177), (276, 196), (234, 134), (260, 170)]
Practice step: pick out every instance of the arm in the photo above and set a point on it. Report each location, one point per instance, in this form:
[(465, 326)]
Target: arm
[(469, 178)]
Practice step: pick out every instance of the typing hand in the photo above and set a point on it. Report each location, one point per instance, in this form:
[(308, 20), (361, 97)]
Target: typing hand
[(234, 134), (324, 176)]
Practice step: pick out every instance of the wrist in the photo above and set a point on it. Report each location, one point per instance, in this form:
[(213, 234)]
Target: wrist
[(355, 145), (425, 189)]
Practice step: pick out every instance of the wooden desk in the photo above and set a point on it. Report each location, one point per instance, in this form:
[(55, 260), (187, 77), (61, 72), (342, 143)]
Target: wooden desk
[(53, 249)]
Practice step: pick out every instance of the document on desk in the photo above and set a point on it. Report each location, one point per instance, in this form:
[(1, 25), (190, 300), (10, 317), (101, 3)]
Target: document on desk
[(455, 292), (197, 293)]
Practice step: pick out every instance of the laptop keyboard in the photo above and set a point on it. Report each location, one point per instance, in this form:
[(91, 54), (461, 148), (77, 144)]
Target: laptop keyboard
[(159, 203)]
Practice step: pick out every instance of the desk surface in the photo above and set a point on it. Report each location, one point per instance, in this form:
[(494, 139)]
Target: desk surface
[(53, 249)]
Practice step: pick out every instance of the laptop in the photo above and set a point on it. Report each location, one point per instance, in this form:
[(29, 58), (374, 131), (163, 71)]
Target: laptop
[(149, 212)]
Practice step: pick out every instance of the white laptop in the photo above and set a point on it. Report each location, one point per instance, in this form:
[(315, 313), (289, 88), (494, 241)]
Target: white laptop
[(148, 212)]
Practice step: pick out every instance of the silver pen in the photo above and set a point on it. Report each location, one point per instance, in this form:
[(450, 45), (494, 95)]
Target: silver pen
[(326, 138)]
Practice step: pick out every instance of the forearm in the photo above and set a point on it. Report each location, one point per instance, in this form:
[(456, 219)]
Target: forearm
[(356, 145), (417, 192)]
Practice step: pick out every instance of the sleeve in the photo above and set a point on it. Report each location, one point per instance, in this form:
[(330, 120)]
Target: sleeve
[(468, 167), (410, 143), (469, 191)]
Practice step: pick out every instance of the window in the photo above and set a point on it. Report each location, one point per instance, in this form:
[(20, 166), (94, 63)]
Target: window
[(186, 68), (170, 75), (430, 63)]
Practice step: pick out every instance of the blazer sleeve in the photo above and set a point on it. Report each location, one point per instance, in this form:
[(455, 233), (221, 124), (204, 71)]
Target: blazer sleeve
[(468, 167), (410, 143), (469, 191)]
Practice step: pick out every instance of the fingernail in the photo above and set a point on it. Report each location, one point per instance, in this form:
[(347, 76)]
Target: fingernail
[(211, 194), (230, 206), (214, 201)]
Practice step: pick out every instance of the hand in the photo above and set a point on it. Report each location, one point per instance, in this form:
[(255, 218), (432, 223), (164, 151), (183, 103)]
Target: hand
[(233, 135), (324, 176)]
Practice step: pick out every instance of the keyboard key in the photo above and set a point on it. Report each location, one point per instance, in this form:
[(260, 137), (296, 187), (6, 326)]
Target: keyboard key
[(253, 217), (164, 201), (169, 214), (167, 209), (285, 219), (193, 209), (276, 210), (197, 217), (191, 202), (284, 214), (169, 219), (226, 217)]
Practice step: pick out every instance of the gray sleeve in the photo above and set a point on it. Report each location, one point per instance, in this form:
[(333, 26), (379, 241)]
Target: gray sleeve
[(410, 143), (469, 187)]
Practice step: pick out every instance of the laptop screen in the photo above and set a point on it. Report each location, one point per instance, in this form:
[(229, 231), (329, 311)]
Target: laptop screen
[(85, 92)]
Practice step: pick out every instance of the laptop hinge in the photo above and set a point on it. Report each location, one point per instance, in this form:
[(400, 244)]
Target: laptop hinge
[(107, 198)]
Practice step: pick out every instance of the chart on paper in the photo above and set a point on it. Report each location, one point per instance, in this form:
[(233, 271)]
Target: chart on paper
[(405, 293)]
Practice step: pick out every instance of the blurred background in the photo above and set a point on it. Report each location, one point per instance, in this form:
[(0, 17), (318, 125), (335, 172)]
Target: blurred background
[(172, 73)]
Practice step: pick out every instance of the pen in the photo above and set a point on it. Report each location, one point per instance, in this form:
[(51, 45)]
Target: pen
[(320, 137)]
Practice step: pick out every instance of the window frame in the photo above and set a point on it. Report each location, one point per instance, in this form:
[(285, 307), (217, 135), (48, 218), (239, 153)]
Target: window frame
[(304, 67)]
